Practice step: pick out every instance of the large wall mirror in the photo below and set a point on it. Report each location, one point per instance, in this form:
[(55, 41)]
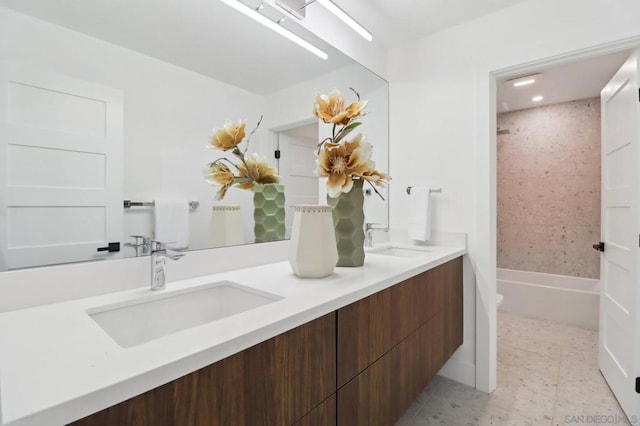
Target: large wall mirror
[(104, 102)]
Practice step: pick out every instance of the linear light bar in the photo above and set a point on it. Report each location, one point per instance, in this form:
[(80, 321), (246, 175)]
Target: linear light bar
[(524, 82), (333, 8), (537, 98), (247, 11)]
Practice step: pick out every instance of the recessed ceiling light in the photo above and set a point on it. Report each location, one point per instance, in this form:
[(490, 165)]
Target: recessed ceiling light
[(526, 80), (537, 98)]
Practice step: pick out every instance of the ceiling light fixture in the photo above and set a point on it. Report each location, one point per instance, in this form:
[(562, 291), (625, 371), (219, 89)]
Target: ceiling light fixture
[(525, 80), (537, 98), (344, 16), (249, 12)]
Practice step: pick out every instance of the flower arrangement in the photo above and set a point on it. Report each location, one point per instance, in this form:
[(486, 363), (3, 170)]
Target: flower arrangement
[(341, 160), (245, 174)]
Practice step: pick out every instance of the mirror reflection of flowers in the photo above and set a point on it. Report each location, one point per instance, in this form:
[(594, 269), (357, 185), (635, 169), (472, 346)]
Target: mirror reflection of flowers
[(341, 160), (247, 171)]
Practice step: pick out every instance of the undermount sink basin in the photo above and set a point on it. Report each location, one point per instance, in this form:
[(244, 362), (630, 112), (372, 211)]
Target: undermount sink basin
[(144, 319), (400, 252)]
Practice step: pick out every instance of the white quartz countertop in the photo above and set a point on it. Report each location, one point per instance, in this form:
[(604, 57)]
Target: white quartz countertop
[(57, 365)]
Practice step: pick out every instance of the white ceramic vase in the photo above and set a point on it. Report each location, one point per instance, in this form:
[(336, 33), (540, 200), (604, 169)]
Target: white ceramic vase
[(312, 250), (226, 226)]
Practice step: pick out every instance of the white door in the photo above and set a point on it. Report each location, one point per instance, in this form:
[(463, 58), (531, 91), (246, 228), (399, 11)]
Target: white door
[(61, 185), (296, 165), (620, 295)]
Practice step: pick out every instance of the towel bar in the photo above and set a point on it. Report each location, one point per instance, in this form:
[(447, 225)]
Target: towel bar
[(128, 204), (434, 190)]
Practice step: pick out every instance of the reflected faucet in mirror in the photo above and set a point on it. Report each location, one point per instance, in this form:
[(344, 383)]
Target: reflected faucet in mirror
[(142, 244), (159, 254), (368, 232)]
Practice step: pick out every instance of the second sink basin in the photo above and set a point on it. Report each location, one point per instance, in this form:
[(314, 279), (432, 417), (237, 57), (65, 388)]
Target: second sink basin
[(400, 252), (144, 319)]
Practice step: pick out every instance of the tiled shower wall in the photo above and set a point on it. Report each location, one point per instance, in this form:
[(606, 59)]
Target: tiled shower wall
[(549, 189)]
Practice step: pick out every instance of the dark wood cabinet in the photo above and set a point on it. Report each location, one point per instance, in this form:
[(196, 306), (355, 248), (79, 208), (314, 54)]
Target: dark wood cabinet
[(361, 365), (370, 327), (276, 382), (323, 415), (455, 310), (383, 368)]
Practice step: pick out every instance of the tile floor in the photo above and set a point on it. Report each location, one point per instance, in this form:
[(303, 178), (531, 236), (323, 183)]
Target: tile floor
[(547, 375)]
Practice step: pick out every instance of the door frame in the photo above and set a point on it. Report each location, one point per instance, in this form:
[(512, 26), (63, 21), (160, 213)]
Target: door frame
[(274, 132), (486, 326)]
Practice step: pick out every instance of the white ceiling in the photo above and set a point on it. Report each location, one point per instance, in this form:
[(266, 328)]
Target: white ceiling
[(561, 83), (394, 22), (204, 36)]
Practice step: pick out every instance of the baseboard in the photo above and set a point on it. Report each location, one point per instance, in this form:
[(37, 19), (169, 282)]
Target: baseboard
[(459, 371)]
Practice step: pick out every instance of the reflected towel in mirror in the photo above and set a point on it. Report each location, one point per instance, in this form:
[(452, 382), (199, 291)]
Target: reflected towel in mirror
[(171, 222)]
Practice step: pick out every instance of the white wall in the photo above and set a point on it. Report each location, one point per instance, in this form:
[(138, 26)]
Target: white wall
[(168, 115), (443, 125)]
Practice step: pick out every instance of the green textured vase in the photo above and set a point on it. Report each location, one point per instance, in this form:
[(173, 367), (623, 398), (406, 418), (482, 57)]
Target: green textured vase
[(348, 222), (268, 212)]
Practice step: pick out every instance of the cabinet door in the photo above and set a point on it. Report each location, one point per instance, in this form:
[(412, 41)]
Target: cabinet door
[(383, 392), (323, 415), (275, 382)]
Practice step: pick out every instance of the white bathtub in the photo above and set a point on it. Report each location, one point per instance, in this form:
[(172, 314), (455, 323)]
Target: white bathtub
[(554, 297)]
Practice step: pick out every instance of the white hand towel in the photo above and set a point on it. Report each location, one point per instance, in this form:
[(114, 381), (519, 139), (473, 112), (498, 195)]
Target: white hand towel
[(172, 222), (420, 213)]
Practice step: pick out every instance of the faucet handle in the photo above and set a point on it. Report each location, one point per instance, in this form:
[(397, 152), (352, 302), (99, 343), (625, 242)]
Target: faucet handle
[(142, 244), (371, 225), (171, 253), (136, 243), (160, 245)]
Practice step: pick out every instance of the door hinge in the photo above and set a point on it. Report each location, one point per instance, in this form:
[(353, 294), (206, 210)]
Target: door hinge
[(277, 153), (111, 247), (637, 384), (638, 94)]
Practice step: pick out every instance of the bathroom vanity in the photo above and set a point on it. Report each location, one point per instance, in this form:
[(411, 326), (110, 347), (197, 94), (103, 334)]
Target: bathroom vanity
[(363, 364), (352, 349)]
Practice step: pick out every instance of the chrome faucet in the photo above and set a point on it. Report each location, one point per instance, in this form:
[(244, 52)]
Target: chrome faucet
[(368, 232), (142, 244), (159, 254)]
